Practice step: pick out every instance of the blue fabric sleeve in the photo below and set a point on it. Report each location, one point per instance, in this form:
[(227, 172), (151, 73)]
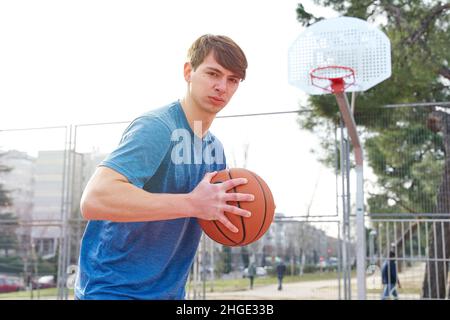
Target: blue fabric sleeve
[(141, 150)]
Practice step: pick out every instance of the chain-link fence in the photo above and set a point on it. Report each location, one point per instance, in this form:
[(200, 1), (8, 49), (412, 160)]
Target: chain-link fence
[(46, 169), (417, 246), (32, 179), (309, 248), (407, 196)]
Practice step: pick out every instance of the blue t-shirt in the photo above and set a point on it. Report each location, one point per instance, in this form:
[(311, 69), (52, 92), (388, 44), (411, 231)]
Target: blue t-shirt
[(149, 260)]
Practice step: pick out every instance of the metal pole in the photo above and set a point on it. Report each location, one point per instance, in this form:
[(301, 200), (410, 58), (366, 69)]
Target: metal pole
[(68, 207), (203, 267), (64, 247), (360, 234), (372, 236), (345, 214), (61, 258), (339, 259), (213, 269), (195, 272), (348, 206), (344, 108)]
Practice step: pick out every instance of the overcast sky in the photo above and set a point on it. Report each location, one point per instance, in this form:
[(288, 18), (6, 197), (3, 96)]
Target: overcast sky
[(70, 62)]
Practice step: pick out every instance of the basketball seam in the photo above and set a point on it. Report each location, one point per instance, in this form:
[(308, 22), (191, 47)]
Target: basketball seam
[(220, 229), (242, 218), (265, 206)]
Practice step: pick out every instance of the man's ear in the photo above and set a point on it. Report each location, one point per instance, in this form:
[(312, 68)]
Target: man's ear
[(187, 71)]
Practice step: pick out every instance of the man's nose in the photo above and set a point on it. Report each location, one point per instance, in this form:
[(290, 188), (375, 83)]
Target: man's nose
[(221, 85)]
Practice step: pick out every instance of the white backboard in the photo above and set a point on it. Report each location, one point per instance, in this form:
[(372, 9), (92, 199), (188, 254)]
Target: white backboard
[(344, 41)]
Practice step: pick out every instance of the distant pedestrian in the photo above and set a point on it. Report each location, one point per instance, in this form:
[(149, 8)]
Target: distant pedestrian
[(251, 273), (281, 269), (389, 277)]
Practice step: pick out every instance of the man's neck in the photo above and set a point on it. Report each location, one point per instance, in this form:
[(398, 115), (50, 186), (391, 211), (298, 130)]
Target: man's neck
[(198, 120)]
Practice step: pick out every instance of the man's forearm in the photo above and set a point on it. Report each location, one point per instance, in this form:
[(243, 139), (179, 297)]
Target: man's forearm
[(124, 202)]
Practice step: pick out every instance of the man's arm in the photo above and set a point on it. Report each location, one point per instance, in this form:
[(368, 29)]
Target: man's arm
[(110, 196)]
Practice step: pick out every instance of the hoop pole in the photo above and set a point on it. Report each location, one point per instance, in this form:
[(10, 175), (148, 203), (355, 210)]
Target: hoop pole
[(350, 124), (344, 108)]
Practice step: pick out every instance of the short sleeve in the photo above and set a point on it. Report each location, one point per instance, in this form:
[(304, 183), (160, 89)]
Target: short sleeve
[(141, 150)]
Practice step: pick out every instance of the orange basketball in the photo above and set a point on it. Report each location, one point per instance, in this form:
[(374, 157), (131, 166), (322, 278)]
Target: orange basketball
[(262, 209)]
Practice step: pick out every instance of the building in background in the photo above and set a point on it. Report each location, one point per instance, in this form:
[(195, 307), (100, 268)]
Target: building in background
[(37, 186), (19, 182), (49, 195)]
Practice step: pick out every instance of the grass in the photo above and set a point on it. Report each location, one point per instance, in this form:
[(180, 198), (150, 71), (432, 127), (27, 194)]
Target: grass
[(219, 285), (51, 293)]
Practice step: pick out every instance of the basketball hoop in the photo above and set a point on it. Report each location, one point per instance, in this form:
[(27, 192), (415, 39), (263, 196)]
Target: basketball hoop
[(333, 79), (334, 45), (337, 56)]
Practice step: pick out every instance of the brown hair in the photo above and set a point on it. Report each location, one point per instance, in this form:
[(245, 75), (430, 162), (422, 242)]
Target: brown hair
[(227, 53)]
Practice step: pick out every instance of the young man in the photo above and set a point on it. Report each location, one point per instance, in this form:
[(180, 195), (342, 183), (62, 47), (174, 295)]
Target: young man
[(281, 270), (144, 199), (389, 278), (251, 273)]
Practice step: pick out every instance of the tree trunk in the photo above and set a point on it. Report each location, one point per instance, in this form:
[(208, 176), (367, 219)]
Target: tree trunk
[(436, 271)]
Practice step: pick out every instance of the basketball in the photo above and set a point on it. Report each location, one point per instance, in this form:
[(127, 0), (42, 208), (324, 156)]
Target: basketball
[(250, 228)]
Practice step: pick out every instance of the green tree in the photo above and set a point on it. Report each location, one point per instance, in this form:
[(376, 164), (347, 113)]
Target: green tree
[(8, 224), (407, 148), (8, 237), (225, 258), (5, 199), (245, 255)]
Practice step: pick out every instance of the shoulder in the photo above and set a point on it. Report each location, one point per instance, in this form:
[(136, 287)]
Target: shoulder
[(161, 120), (144, 128), (167, 115)]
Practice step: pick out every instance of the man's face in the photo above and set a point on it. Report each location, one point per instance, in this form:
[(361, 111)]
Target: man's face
[(211, 86)]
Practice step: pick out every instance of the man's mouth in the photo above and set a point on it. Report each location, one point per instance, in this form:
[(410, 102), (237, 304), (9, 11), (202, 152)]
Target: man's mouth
[(216, 100)]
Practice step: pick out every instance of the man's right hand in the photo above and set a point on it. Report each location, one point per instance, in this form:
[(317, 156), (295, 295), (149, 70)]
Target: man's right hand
[(209, 200)]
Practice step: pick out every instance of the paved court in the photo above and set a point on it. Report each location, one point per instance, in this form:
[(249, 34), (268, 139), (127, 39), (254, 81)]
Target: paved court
[(321, 290)]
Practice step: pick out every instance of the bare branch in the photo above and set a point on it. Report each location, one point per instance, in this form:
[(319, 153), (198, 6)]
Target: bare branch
[(394, 11), (435, 12)]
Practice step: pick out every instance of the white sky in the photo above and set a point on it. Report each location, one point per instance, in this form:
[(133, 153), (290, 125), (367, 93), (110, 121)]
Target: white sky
[(70, 62)]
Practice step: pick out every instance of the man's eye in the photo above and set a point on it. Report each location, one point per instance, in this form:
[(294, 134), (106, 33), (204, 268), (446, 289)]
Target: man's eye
[(212, 74)]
